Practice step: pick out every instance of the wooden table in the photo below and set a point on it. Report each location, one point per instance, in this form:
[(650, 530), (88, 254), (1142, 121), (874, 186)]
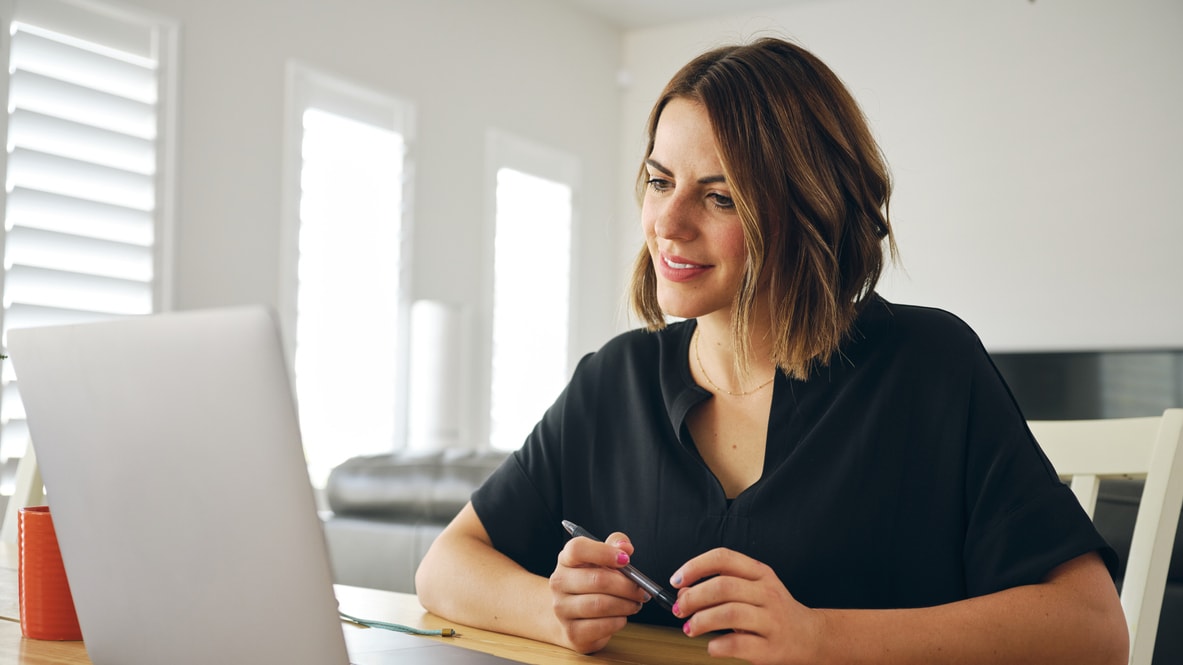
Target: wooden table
[(635, 644)]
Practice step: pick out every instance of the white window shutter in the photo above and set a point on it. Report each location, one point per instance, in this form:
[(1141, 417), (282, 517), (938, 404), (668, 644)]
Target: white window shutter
[(534, 222), (346, 240), (81, 212)]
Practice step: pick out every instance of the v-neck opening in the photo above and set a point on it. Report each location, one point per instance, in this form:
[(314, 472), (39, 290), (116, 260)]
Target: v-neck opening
[(690, 395)]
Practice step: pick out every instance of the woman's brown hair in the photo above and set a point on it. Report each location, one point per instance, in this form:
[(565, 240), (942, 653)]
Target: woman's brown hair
[(810, 187)]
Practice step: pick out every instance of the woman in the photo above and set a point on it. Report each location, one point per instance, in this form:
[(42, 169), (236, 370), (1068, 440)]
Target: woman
[(820, 474)]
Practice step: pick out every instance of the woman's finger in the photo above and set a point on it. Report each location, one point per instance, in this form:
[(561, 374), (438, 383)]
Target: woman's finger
[(719, 561)]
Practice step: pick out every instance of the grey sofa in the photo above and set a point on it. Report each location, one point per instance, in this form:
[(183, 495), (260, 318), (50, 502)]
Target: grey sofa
[(387, 509)]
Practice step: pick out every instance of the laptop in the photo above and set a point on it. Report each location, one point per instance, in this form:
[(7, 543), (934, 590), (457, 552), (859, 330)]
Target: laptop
[(170, 450)]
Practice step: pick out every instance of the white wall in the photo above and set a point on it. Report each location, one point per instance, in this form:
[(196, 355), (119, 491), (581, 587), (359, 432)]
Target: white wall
[(527, 67), (1034, 145), (1036, 149)]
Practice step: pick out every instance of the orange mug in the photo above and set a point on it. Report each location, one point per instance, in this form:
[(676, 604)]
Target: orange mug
[(47, 608)]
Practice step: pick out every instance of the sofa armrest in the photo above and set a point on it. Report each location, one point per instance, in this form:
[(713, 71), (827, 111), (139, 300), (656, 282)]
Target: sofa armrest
[(410, 486), (387, 510)]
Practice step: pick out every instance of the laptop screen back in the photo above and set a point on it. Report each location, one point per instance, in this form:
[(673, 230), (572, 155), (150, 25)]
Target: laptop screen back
[(173, 466)]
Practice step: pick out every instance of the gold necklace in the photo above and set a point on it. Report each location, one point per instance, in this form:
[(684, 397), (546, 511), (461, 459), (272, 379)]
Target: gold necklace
[(706, 376)]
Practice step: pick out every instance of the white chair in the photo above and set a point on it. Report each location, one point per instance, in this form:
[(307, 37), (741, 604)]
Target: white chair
[(1151, 448)]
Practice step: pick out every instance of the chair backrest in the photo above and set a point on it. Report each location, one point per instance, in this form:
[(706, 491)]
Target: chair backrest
[(1087, 451)]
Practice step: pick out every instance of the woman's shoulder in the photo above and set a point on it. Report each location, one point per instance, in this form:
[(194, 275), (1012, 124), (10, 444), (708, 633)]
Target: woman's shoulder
[(930, 331), (921, 320)]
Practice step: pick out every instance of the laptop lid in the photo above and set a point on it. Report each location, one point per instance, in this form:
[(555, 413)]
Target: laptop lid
[(173, 466)]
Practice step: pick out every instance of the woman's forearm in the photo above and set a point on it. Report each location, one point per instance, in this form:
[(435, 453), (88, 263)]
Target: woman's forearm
[(463, 578), (1072, 618)]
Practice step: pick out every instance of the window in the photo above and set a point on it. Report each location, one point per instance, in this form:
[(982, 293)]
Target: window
[(531, 285), (86, 191), (347, 284)]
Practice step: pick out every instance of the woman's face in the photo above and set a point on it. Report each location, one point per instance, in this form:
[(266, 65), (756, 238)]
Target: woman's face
[(691, 227)]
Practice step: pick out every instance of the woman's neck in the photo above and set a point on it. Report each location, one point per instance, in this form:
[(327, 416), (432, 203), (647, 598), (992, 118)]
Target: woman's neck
[(713, 356)]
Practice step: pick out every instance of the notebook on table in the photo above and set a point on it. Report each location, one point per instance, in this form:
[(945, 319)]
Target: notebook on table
[(171, 454)]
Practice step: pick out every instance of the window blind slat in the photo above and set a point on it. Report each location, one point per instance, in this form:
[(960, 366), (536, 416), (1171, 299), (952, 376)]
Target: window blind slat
[(117, 30), (28, 90), (25, 315), (14, 429), (50, 173), (65, 138), (83, 67), (14, 432), (12, 407), (62, 251), (31, 208), (69, 290)]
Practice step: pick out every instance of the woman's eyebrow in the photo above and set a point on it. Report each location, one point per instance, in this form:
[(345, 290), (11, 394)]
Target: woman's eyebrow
[(658, 166), (707, 180)]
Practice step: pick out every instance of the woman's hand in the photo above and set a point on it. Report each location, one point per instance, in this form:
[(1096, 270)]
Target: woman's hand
[(592, 599), (725, 590)]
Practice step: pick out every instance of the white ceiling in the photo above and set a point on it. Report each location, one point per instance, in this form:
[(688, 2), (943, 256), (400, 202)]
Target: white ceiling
[(633, 14)]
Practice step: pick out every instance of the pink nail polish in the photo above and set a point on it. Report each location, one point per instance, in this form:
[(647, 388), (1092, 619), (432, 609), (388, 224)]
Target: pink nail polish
[(676, 610), (622, 558), (686, 628)]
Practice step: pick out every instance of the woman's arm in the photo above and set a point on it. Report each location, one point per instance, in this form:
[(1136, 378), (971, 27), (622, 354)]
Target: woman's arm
[(584, 602), (1073, 616)]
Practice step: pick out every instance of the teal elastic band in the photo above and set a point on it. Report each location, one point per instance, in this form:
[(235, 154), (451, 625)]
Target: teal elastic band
[(397, 627)]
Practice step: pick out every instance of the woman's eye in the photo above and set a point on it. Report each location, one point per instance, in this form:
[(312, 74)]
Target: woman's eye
[(658, 184), (722, 202)]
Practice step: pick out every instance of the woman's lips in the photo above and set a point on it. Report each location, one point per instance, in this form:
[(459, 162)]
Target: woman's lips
[(679, 269)]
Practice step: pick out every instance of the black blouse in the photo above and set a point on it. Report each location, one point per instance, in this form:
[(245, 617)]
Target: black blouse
[(901, 475)]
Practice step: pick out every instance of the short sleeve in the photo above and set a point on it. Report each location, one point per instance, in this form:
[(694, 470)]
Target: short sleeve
[(520, 505), (511, 508), (1022, 520)]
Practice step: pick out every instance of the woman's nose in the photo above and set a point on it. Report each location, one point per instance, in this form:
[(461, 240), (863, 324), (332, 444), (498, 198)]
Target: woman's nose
[(674, 219)]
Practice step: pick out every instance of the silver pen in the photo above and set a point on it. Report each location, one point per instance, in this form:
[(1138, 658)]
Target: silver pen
[(665, 598)]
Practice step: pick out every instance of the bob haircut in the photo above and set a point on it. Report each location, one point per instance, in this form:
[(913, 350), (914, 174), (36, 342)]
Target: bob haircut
[(811, 190)]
